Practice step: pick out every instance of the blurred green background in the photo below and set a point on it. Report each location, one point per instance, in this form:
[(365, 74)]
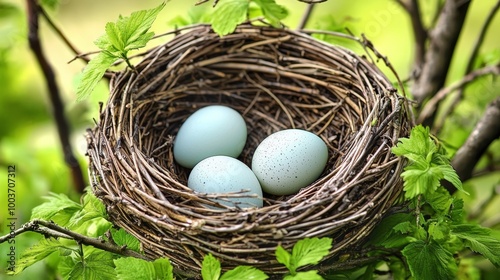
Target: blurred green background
[(29, 140)]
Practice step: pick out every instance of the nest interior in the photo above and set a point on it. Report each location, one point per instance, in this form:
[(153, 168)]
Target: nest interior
[(277, 79)]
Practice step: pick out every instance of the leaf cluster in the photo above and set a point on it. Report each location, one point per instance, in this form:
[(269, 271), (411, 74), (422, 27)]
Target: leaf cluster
[(78, 261), (434, 232), (126, 34), (229, 13)]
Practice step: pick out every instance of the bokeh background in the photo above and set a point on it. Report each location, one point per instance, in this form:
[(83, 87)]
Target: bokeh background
[(28, 137)]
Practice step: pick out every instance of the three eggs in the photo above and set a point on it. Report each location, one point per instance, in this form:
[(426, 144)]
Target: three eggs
[(211, 139)]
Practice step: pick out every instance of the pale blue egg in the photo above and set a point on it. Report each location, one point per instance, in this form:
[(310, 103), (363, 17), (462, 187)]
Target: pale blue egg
[(211, 131), (289, 160), (223, 174)]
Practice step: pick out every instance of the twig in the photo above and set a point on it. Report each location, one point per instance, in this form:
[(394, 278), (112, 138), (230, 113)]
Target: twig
[(431, 107), (54, 95), (61, 35), (313, 1), (443, 40), (53, 230), (419, 32), (305, 17), (486, 131), (479, 41)]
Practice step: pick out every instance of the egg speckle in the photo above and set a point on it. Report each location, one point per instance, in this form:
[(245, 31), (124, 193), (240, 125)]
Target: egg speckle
[(210, 131), (223, 174), (289, 160)]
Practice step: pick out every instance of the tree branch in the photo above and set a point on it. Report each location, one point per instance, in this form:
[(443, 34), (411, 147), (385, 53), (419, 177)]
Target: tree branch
[(62, 36), (305, 17), (486, 131), (419, 32), (431, 106), (54, 96), (470, 65), (51, 229), (443, 40)]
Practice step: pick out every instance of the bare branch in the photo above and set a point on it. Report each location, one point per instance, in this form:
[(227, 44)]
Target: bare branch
[(431, 107), (62, 36), (55, 97), (443, 40), (486, 131), (419, 31), (305, 17), (51, 229), (313, 1), (477, 45)]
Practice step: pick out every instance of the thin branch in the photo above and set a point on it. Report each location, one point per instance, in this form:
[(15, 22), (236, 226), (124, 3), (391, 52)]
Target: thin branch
[(54, 96), (62, 36), (305, 17), (312, 1), (51, 229), (443, 40), (470, 65), (412, 7), (485, 132), (431, 107)]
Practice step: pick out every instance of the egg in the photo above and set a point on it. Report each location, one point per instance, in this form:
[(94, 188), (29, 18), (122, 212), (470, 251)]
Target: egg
[(288, 160), (211, 131), (223, 174)]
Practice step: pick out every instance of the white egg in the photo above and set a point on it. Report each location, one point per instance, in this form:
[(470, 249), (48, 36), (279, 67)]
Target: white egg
[(289, 160), (211, 131), (223, 174)]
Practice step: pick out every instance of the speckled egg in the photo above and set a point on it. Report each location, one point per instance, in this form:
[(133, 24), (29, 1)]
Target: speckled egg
[(223, 174), (289, 160), (211, 131)]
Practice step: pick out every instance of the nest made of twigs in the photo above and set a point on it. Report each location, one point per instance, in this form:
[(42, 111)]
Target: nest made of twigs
[(277, 79)]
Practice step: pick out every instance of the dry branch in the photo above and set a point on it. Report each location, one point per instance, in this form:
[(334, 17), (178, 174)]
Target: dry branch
[(54, 96), (486, 131), (443, 39)]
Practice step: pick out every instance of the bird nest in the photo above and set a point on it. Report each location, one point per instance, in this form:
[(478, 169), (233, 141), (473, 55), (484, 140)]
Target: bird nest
[(276, 79)]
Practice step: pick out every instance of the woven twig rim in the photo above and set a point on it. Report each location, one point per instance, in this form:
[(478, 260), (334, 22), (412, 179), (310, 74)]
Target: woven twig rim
[(277, 79)]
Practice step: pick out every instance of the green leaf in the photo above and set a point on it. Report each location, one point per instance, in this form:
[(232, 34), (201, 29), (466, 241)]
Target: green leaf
[(114, 38), (451, 176), (309, 251), (93, 73), (38, 252), (440, 200), (479, 240), (91, 219), (283, 257), (95, 266), (457, 210), (437, 231), (419, 180), (403, 227), (417, 147), (126, 34), (228, 14), (210, 268), (133, 268), (123, 238), (56, 205), (244, 272), (429, 261), (132, 29), (388, 232), (306, 275), (273, 12), (92, 209), (163, 269)]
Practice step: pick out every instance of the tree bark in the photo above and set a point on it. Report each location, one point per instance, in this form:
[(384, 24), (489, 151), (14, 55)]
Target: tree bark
[(443, 39)]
